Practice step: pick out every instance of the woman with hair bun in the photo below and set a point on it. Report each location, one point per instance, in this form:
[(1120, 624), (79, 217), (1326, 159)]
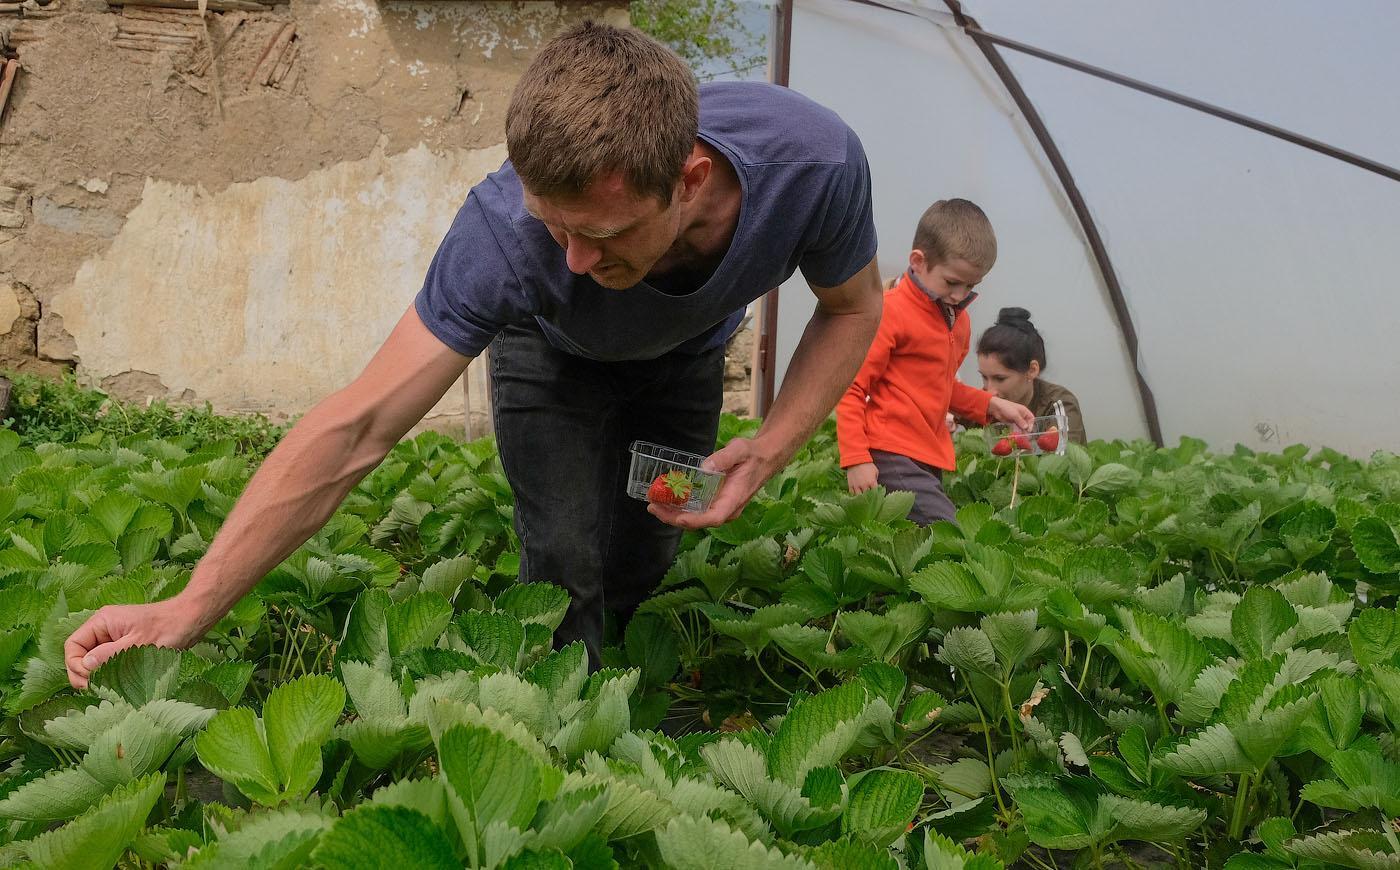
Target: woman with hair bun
[(1011, 359)]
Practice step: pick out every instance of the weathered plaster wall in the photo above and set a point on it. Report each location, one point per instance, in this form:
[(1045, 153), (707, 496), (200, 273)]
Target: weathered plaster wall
[(180, 229), (267, 294)]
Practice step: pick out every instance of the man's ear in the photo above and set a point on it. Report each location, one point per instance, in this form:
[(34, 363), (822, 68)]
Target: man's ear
[(693, 175)]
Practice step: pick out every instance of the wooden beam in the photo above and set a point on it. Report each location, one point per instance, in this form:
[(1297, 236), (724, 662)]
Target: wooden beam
[(213, 5), (8, 72)]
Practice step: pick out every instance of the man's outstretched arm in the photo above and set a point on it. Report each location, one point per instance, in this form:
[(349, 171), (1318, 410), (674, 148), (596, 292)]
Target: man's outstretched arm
[(293, 494)]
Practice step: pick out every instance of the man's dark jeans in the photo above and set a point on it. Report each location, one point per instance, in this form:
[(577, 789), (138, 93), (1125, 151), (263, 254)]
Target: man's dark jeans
[(564, 426)]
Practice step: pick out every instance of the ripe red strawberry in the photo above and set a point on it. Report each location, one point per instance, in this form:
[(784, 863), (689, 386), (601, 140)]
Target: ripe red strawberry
[(672, 488), (1002, 447), (1049, 440), (1023, 441)]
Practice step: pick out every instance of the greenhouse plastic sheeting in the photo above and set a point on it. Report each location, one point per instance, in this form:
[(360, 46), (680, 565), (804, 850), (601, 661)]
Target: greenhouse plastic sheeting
[(1263, 278)]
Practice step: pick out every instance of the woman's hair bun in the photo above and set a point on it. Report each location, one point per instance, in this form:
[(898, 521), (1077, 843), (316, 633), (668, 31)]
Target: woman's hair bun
[(1014, 340), (1011, 316)]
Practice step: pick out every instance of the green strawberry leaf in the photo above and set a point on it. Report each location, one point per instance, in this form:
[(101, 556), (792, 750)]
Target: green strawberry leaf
[(98, 838), (493, 779), (603, 718), (446, 577), (819, 730), (378, 837), (538, 603), (969, 650), (1375, 637), (1258, 622), (846, 853), (691, 843), (882, 805), (297, 718), (1376, 545), (1062, 813), (278, 840), (495, 638), (1210, 751), (234, 748), (1151, 822), (565, 822), (1014, 637)]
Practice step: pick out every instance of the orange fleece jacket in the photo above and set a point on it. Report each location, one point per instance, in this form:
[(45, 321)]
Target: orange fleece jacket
[(908, 383)]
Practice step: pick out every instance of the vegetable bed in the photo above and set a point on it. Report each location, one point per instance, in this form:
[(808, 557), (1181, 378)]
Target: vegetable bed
[(1141, 657)]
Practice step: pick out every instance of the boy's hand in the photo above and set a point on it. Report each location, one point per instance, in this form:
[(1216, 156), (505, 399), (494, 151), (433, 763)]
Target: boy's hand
[(1010, 413), (861, 477)]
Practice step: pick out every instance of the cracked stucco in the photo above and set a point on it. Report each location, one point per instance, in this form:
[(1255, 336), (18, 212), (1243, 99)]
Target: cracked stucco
[(251, 251), (269, 294)]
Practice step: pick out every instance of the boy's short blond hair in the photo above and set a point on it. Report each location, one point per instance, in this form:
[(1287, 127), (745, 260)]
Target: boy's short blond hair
[(953, 229)]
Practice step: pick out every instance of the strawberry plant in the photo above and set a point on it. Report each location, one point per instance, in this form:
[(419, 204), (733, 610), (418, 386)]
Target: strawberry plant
[(1118, 656)]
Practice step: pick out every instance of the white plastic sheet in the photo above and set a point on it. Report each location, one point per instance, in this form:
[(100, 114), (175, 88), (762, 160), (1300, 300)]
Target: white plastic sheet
[(1261, 277)]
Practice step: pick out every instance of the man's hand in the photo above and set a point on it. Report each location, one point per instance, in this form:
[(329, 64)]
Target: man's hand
[(822, 366), (1010, 413), (861, 477), (746, 466), (115, 627)]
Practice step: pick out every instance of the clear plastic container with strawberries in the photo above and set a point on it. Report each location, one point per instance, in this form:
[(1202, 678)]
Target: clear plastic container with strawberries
[(1046, 435), (666, 476)]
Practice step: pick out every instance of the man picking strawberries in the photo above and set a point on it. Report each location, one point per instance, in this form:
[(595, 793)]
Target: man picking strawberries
[(605, 264)]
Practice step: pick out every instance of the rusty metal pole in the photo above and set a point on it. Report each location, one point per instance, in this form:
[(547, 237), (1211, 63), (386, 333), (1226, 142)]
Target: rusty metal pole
[(766, 343)]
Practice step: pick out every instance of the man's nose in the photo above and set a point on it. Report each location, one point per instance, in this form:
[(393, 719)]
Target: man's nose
[(581, 254)]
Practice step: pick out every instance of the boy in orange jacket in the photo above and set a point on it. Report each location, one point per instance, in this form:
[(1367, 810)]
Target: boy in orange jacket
[(890, 425)]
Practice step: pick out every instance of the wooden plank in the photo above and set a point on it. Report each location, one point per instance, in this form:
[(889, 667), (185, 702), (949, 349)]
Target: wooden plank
[(153, 13), (284, 65), (206, 60), (272, 55), (151, 28), (7, 80), (141, 46), (170, 42), (159, 13), (215, 5)]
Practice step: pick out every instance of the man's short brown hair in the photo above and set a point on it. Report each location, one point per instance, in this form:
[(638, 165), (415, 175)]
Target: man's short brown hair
[(953, 229), (600, 99)]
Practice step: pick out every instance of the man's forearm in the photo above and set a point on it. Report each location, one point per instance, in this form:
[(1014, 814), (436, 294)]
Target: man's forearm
[(826, 360), (293, 494)]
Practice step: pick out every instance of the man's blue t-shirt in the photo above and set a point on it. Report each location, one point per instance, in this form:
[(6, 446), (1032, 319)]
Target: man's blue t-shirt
[(806, 205)]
